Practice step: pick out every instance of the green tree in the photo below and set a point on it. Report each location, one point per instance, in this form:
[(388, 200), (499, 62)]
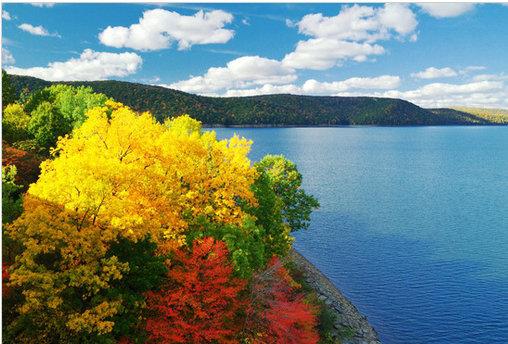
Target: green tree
[(246, 243), (286, 182), (15, 123), (268, 213), (47, 124), (8, 91), (74, 102), (11, 195)]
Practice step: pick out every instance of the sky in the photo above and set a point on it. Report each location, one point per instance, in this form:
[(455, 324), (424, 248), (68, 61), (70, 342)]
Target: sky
[(433, 54)]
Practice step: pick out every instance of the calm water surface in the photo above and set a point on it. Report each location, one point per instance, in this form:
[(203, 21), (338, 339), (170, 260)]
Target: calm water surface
[(413, 225)]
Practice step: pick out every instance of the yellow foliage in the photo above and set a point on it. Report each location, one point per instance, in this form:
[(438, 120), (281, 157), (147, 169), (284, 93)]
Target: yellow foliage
[(93, 320), (121, 175)]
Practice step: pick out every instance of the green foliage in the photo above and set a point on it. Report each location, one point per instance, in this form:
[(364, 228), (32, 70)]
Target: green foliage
[(286, 182), (146, 272), (15, 123), (245, 244), (8, 91), (11, 195), (268, 213), (73, 102), (47, 124), (54, 111)]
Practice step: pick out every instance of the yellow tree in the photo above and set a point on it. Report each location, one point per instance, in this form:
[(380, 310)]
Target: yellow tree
[(120, 174)]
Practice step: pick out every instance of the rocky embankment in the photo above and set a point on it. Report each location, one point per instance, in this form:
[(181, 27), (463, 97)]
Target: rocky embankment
[(346, 313)]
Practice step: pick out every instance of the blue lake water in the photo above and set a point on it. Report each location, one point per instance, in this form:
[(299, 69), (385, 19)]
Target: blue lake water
[(413, 224)]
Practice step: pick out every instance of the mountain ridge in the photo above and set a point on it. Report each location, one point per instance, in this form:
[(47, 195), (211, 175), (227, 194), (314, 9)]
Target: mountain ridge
[(266, 110)]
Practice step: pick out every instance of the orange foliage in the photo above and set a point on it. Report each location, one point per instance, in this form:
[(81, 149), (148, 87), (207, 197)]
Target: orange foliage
[(27, 164)]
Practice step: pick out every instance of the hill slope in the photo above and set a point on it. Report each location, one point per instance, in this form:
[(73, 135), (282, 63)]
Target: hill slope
[(281, 109)]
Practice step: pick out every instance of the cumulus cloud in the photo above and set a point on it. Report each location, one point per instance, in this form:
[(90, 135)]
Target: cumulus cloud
[(36, 30), (90, 65), (351, 34), (486, 93), (265, 89), (159, 28), (6, 15), (434, 73), (384, 82), (43, 4), (446, 9), (239, 78), (314, 87), (246, 71), (324, 53), (7, 58)]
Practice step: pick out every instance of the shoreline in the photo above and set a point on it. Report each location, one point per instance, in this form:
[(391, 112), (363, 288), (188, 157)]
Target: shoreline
[(263, 126), (346, 312)]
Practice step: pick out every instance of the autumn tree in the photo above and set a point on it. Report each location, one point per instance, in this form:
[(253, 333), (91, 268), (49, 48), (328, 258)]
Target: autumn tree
[(120, 175), (201, 302), (27, 164)]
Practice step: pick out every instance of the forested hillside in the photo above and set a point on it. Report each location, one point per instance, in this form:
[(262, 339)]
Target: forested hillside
[(283, 109)]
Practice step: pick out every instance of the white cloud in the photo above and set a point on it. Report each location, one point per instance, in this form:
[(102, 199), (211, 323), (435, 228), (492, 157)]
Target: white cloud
[(7, 58), (43, 4), (245, 21), (290, 23), (472, 69), (265, 89), (217, 83), (446, 9), (246, 71), (384, 82), (158, 28), (6, 15), (351, 34), (314, 87), (434, 73), (490, 77), (324, 53), (477, 93), (36, 30), (90, 65)]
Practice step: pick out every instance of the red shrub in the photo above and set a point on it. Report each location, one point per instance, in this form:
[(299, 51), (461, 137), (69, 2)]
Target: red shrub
[(201, 302), (27, 164), (278, 311)]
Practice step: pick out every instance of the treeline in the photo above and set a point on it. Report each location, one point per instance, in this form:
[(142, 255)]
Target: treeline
[(281, 109), (118, 228)]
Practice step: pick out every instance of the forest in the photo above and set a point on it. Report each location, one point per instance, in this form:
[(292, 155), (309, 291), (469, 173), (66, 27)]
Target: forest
[(270, 110), (118, 228)]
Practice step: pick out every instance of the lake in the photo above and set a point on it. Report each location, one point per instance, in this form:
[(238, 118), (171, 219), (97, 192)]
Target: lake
[(413, 224)]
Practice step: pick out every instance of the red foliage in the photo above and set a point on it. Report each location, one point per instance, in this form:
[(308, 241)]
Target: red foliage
[(5, 280), (278, 312), (201, 302), (27, 164)]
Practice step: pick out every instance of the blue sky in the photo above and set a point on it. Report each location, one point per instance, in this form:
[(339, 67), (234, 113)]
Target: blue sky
[(432, 54)]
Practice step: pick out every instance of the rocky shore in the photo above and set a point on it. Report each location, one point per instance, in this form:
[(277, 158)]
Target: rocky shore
[(347, 315)]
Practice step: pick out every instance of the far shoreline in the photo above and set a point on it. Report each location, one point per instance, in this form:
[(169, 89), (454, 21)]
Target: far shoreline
[(282, 126)]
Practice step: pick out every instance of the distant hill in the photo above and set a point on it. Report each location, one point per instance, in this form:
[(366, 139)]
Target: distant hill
[(492, 115), (280, 109)]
